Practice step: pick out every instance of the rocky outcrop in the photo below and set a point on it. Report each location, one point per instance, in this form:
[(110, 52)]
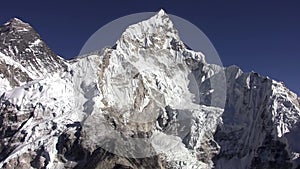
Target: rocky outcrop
[(148, 102)]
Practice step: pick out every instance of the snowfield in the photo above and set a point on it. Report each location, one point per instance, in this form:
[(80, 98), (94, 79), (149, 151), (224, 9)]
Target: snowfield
[(148, 103)]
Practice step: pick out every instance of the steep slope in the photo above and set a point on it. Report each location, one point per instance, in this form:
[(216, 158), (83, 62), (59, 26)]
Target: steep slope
[(147, 103), (258, 117), (24, 55)]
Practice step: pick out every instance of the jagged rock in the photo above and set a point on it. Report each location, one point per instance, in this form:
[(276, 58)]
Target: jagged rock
[(148, 102)]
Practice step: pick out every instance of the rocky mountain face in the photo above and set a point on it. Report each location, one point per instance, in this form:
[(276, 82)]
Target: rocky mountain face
[(149, 102), (24, 56)]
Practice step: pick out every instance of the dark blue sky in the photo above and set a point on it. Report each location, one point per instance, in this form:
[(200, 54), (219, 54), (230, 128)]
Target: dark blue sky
[(255, 35)]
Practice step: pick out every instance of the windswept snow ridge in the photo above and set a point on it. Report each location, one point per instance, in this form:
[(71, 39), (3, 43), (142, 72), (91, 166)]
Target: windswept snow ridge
[(147, 103)]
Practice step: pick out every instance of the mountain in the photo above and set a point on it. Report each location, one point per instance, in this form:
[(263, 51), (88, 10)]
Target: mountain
[(148, 102), (24, 55)]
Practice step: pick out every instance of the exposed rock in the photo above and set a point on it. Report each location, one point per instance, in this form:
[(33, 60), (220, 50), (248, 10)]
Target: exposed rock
[(148, 102)]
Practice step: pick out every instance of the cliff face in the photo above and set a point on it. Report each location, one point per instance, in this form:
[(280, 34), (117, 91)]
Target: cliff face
[(24, 55), (147, 103), (259, 116)]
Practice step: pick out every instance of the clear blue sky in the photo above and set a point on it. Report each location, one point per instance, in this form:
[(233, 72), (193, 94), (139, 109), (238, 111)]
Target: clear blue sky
[(263, 36)]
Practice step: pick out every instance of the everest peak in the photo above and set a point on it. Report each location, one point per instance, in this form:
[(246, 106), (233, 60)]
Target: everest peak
[(148, 103), (18, 24)]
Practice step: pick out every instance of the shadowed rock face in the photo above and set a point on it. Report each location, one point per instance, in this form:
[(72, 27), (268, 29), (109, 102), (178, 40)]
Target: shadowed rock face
[(148, 102), (253, 125), (19, 41)]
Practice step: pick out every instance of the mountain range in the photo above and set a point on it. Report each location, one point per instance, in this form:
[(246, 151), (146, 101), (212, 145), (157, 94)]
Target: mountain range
[(147, 102)]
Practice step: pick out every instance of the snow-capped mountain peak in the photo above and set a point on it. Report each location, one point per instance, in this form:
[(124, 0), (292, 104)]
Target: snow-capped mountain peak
[(148, 103), (161, 12), (25, 55), (157, 32), (18, 24)]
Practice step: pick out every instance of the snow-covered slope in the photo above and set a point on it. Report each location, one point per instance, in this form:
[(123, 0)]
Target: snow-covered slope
[(258, 116), (148, 103), (24, 55)]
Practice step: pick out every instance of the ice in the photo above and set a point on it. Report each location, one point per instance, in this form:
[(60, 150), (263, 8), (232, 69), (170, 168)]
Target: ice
[(147, 79), (35, 43)]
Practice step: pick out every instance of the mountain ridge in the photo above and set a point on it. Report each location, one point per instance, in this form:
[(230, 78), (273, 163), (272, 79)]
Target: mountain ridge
[(98, 110)]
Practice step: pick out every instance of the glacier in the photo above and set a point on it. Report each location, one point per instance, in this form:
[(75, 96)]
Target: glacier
[(149, 102)]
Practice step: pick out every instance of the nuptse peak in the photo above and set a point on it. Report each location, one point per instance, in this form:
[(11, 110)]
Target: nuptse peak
[(149, 102)]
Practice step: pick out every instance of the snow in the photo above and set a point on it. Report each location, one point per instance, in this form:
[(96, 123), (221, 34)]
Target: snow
[(15, 96), (4, 85), (285, 115), (8, 60), (146, 77), (35, 43), (56, 95)]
